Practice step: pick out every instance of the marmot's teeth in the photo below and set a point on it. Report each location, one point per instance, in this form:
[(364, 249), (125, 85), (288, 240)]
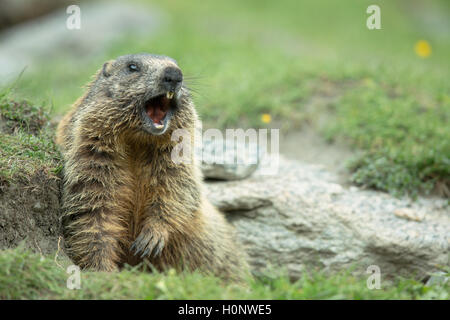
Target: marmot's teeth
[(169, 94), (158, 125)]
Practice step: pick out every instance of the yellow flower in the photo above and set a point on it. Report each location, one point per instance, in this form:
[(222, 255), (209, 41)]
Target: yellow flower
[(266, 118), (368, 82), (422, 48)]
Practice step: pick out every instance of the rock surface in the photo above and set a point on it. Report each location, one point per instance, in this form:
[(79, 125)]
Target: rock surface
[(302, 218), (222, 160)]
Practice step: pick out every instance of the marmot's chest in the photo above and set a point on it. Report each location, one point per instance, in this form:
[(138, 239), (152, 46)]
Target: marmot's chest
[(141, 190), (149, 182), (145, 184)]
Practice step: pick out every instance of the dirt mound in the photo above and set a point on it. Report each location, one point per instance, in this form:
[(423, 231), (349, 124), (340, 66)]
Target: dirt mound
[(30, 179), (29, 212)]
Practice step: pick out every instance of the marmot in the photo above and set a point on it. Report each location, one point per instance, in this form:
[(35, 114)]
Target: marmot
[(124, 199)]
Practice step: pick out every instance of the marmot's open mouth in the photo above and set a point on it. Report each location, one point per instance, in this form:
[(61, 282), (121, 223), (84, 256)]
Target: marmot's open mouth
[(157, 107), (158, 110)]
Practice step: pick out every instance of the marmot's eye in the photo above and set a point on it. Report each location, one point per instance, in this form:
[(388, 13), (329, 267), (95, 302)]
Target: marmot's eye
[(133, 67)]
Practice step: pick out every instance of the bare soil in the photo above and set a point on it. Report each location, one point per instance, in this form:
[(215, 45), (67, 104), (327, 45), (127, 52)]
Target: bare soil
[(29, 213)]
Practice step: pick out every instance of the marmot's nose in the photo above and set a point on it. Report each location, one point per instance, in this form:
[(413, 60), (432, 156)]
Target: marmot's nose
[(172, 77)]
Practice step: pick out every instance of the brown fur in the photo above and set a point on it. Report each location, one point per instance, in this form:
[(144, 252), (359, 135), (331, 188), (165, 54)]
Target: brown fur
[(122, 191)]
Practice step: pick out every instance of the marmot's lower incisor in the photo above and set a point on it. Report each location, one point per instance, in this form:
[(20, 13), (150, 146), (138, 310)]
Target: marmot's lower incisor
[(124, 198)]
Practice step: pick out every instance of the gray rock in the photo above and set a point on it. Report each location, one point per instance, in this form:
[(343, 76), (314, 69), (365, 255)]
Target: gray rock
[(439, 278), (223, 162), (301, 218)]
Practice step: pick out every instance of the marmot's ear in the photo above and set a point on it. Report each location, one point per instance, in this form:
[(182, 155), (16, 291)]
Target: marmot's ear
[(106, 71)]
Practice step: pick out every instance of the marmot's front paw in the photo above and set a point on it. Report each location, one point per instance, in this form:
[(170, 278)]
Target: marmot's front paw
[(150, 242)]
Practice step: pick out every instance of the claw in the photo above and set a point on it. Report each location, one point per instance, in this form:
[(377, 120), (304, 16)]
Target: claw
[(133, 246), (137, 245), (147, 245), (158, 248), (146, 251)]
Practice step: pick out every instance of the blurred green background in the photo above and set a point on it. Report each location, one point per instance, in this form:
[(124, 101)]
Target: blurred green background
[(384, 93)]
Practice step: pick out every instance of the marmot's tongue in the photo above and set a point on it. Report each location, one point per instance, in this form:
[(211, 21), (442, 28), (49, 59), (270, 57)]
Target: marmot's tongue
[(157, 108), (156, 114)]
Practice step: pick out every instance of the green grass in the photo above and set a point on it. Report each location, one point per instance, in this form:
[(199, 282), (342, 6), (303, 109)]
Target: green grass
[(26, 141), (245, 59), (27, 275), (402, 129)]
